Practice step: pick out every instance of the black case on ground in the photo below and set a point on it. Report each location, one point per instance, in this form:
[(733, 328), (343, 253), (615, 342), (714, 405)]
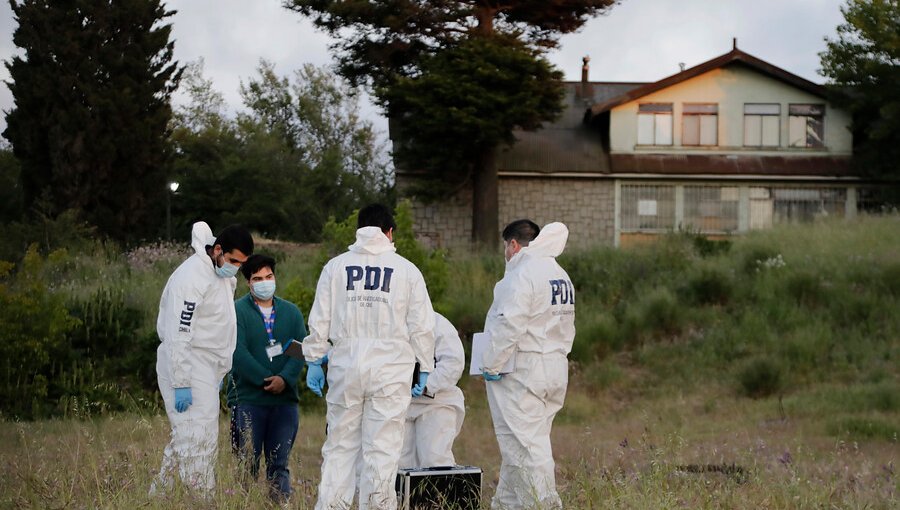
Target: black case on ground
[(456, 487)]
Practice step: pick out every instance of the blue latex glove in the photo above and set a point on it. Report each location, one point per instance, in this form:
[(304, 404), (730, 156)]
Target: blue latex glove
[(491, 377), (419, 388), (183, 399), (315, 378)]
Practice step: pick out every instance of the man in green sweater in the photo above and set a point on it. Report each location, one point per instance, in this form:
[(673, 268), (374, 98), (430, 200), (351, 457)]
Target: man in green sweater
[(262, 387)]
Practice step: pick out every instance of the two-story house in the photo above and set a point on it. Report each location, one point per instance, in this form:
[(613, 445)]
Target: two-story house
[(727, 146)]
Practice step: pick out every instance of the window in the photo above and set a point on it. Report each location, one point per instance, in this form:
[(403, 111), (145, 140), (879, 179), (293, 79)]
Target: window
[(774, 205), (655, 124), (711, 208), (807, 125), (700, 124), (648, 207), (762, 125)]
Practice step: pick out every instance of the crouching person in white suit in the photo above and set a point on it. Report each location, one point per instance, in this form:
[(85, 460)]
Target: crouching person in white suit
[(435, 418)]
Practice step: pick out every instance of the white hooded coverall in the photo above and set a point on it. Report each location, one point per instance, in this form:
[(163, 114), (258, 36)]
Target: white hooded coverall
[(432, 424), (197, 331), (532, 318), (373, 306)]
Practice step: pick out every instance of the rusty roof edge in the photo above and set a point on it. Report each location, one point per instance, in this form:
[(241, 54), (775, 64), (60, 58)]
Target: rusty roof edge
[(734, 55)]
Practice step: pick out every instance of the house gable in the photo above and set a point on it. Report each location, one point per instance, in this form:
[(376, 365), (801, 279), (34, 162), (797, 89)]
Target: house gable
[(728, 89)]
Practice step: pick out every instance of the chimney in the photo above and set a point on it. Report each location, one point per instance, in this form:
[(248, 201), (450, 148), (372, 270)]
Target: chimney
[(734, 43), (585, 68), (586, 90)]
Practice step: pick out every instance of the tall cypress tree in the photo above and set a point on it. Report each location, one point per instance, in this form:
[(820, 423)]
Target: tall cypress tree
[(89, 125)]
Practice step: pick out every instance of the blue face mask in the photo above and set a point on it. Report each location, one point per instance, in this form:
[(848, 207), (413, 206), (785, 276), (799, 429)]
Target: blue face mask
[(227, 270), (264, 290)]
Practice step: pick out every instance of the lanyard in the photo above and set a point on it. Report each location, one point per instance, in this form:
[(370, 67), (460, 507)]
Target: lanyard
[(269, 322)]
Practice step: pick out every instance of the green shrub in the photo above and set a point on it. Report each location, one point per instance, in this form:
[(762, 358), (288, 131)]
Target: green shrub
[(33, 327), (758, 258), (302, 295), (760, 377), (806, 289), (655, 314), (708, 286), (596, 337), (706, 247)]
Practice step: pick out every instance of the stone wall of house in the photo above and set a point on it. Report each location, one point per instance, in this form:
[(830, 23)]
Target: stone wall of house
[(586, 206), (445, 224)]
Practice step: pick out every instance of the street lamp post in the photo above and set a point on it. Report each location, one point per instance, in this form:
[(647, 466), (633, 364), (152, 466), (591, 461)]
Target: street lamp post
[(173, 187)]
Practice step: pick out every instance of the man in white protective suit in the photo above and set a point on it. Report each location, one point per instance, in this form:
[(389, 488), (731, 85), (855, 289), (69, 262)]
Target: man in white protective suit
[(374, 307), (434, 419), (197, 332), (532, 319)]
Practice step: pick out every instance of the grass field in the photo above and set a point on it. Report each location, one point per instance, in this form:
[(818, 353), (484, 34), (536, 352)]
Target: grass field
[(759, 373), (614, 449)]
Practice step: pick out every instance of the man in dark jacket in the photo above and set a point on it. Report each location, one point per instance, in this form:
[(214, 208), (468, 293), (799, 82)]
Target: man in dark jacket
[(262, 389)]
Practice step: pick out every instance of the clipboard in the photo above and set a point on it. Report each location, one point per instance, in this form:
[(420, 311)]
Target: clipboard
[(294, 349), (480, 342)]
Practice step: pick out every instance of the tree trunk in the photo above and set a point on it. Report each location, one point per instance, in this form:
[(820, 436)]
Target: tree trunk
[(485, 206)]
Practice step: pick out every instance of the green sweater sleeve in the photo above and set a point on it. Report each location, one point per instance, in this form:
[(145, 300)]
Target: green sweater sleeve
[(244, 363)]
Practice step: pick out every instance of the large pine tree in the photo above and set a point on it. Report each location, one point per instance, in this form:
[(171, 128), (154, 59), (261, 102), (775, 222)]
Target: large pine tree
[(89, 126), (486, 56)]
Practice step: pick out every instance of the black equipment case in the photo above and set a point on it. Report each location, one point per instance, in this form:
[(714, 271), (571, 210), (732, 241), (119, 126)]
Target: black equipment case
[(456, 487)]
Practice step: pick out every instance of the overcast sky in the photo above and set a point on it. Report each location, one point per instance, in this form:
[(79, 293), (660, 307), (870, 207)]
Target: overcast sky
[(639, 40)]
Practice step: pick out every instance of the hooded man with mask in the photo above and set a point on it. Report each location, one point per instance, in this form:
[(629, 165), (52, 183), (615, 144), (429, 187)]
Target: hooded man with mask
[(197, 332), (531, 319), (373, 306)]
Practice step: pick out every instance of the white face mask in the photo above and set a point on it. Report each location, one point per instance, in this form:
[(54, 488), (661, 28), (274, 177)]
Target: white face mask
[(226, 270), (263, 290)]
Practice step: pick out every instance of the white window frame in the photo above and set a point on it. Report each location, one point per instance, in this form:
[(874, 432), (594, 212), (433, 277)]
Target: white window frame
[(659, 117), (706, 116), (756, 117)]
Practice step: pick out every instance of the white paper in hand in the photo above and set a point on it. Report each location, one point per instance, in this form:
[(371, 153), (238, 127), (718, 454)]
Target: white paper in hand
[(480, 342)]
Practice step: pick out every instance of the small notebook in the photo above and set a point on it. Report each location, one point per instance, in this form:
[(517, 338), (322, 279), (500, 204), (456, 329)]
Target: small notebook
[(294, 349), (480, 342)]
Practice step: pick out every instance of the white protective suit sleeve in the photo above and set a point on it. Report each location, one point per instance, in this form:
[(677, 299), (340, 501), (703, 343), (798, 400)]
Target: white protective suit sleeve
[(420, 324), (449, 355), (315, 345), (180, 331), (511, 311)]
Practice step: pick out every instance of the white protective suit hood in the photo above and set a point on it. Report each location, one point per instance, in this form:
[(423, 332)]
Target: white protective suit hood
[(371, 240), (550, 242), (201, 237)]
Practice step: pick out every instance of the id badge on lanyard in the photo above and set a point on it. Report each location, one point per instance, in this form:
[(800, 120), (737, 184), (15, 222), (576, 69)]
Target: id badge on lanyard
[(274, 349)]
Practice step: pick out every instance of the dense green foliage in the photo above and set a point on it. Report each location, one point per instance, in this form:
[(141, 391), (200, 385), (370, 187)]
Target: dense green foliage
[(458, 76), (863, 68), (64, 354), (476, 92), (300, 154), (89, 125)]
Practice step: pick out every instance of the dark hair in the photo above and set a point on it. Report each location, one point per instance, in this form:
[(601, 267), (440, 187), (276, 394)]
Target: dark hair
[(256, 262), (523, 231), (376, 215), (235, 237)]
